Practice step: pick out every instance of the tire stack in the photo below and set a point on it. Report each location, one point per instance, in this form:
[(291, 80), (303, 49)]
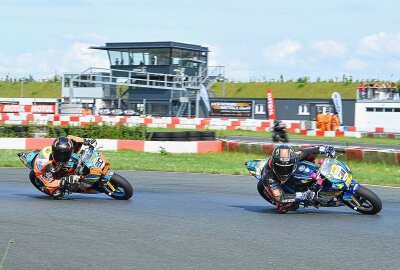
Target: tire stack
[(181, 136)]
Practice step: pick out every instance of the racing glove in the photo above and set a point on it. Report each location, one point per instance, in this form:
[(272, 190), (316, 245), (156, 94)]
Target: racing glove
[(89, 141), (327, 149)]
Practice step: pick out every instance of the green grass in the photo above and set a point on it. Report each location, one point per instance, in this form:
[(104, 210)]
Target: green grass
[(233, 90), (214, 163), (347, 90), (30, 89)]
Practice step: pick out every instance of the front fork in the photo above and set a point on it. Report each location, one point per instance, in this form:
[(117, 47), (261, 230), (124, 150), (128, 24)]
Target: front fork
[(350, 193), (106, 183)]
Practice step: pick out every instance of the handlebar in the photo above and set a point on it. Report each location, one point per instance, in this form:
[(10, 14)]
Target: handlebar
[(86, 154)]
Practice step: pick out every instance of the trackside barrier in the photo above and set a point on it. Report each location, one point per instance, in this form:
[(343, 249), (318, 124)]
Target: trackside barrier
[(181, 122), (352, 153), (367, 155)]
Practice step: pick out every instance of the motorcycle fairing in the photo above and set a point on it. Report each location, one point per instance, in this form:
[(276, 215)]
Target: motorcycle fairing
[(303, 171), (28, 157), (348, 193), (255, 167)]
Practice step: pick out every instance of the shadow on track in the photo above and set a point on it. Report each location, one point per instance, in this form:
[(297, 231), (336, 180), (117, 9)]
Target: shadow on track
[(300, 211), (68, 198)]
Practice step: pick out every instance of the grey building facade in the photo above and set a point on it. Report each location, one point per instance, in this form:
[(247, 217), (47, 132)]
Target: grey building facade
[(294, 109)]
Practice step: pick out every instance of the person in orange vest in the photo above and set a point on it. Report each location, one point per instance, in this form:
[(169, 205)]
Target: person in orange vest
[(335, 121), (319, 119), (327, 121)]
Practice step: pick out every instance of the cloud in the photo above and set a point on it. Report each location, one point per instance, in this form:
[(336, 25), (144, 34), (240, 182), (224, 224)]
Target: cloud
[(329, 47), (283, 52), (47, 63), (381, 43), (86, 38), (355, 64), (79, 57), (213, 55)]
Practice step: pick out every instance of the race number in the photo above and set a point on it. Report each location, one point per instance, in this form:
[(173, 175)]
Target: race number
[(99, 163)]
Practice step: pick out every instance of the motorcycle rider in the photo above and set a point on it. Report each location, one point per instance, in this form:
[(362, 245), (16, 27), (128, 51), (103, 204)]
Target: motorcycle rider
[(278, 170), (279, 131), (50, 161)]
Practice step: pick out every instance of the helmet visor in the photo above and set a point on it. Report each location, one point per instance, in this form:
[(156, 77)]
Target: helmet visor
[(283, 171), (61, 156)]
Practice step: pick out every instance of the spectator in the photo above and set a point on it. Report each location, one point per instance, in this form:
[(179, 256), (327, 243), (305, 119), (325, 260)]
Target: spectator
[(335, 121), (396, 93), (319, 120), (392, 91), (327, 120), (378, 91), (375, 91), (382, 92), (361, 91)]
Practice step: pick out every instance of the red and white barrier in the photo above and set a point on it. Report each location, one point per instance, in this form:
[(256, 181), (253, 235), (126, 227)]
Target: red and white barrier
[(180, 122)]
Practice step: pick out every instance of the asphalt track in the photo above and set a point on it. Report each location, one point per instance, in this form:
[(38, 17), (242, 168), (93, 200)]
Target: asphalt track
[(299, 141), (188, 221)]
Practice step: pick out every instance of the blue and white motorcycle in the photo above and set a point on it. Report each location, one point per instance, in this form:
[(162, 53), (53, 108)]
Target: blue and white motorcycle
[(332, 181)]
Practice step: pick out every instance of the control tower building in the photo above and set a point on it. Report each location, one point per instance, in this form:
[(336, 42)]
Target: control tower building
[(153, 78)]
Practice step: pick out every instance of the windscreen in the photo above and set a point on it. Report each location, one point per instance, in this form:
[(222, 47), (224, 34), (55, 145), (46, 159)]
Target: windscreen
[(331, 168)]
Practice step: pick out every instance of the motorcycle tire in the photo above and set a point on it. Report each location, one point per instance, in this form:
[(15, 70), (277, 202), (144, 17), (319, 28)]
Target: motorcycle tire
[(36, 182), (275, 138), (371, 204), (263, 192), (124, 189), (284, 138)]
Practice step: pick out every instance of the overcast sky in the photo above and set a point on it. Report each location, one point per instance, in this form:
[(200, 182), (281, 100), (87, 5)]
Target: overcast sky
[(254, 39)]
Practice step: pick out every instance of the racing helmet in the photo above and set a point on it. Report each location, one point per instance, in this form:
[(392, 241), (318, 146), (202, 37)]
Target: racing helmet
[(62, 148), (283, 162)]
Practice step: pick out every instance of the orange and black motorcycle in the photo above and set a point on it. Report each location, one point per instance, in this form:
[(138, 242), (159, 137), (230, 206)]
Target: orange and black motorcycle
[(85, 172)]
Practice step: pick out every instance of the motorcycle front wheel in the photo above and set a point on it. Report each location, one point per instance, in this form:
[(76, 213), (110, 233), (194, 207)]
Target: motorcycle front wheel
[(123, 189), (365, 201)]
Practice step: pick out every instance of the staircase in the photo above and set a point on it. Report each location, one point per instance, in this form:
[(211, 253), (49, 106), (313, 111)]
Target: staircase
[(184, 88)]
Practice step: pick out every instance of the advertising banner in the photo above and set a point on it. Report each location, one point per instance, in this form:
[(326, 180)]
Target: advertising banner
[(337, 101), (231, 108), (13, 108), (270, 105)]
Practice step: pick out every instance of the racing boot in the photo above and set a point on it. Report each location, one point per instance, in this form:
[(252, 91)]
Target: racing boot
[(281, 208), (58, 194)]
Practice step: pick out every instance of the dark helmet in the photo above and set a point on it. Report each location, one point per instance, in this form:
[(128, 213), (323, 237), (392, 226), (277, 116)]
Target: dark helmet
[(62, 149), (283, 161)]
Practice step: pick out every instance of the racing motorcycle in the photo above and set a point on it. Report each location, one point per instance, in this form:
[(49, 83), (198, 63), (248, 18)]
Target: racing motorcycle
[(279, 133), (330, 179), (87, 172)]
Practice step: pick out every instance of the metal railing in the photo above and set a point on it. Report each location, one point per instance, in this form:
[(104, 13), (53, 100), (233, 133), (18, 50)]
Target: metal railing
[(381, 94)]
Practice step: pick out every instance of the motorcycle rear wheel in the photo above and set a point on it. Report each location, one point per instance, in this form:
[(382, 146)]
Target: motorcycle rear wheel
[(124, 189), (368, 202)]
